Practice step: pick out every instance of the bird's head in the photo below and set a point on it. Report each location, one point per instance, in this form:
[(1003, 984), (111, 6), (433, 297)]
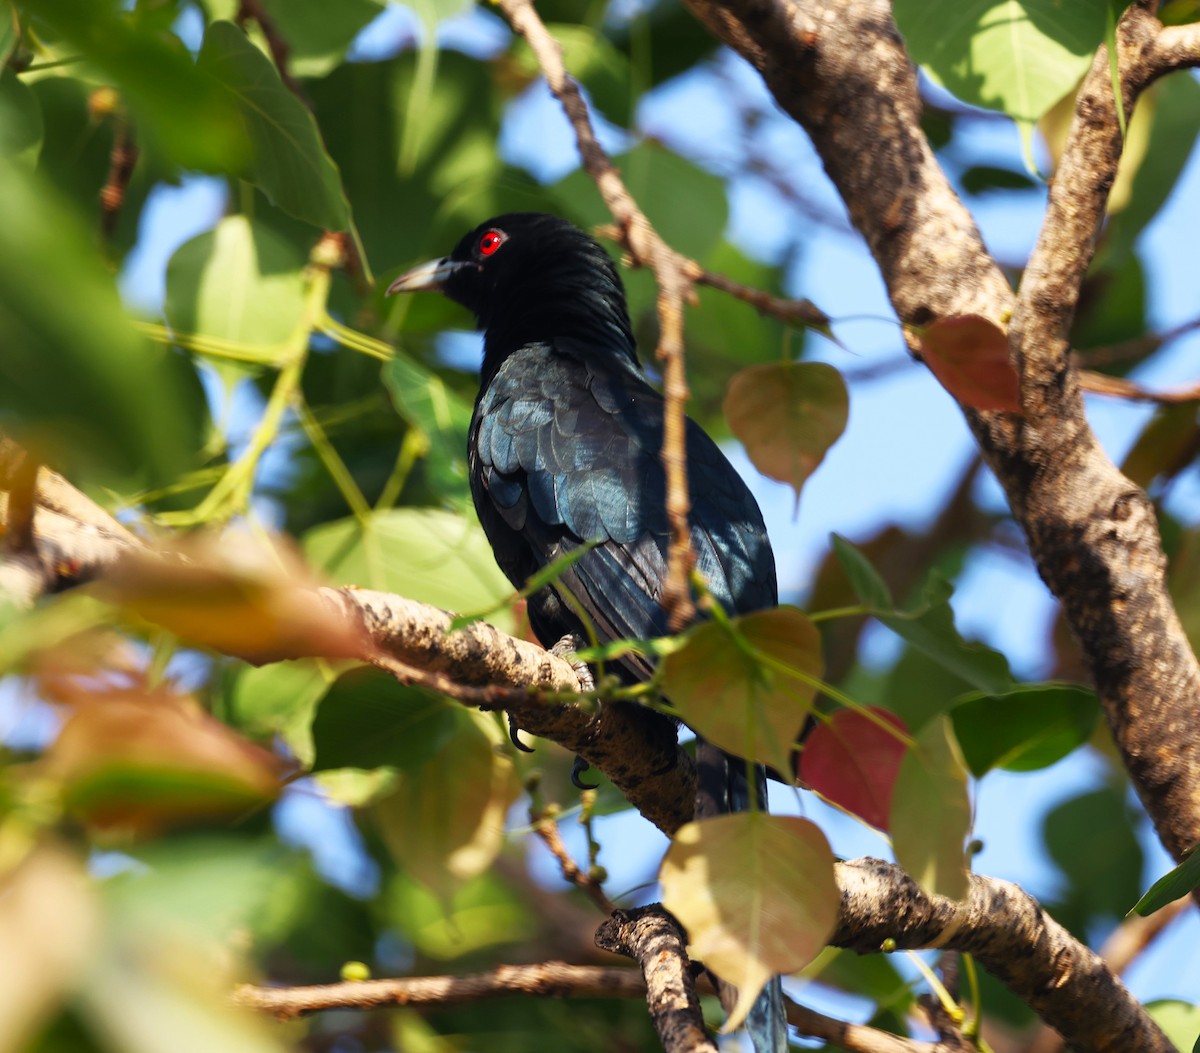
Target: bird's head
[(529, 277)]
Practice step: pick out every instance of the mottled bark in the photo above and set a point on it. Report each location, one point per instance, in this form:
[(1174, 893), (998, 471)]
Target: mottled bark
[(840, 69)]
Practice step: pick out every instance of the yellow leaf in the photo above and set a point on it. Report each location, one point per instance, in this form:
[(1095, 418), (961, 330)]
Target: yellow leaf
[(445, 819), (729, 685), (756, 894)]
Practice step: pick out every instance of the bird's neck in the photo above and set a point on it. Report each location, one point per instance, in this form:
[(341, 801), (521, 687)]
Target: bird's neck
[(582, 315)]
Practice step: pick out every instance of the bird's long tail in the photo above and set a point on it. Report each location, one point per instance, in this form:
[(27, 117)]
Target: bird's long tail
[(722, 787)]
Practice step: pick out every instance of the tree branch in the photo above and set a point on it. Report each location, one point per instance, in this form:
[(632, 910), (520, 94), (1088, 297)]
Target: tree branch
[(75, 541), (656, 941), (840, 69), (543, 980), (1064, 982)]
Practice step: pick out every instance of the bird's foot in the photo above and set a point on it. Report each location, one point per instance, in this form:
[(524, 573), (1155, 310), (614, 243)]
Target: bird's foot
[(514, 735), (577, 770), (565, 649)]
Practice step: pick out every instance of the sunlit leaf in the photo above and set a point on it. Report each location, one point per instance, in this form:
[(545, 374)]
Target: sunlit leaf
[(969, 356), (48, 926), (1174, 123), (425, 554), (867, 582), (209, 891), (931, 812), (787, 415), (288, 161), (756, 894), (594, 62), (137, 760), (733, 688), (478, 914), (1029, 727), (1016, 56), (1179, 1020), (238, 282), (1173, 885), (235, 595), (444, 821), (853, 762), (423, 399), (686, 204)]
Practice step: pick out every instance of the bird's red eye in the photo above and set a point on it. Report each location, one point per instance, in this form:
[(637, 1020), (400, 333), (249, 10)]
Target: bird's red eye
[(490, 242)]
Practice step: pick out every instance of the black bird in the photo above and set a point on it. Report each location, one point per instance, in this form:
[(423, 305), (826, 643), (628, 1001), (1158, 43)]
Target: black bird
[(565, 448)]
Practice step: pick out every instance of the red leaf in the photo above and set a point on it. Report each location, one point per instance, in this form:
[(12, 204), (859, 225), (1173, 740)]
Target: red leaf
[(853, 762), (969, 356)]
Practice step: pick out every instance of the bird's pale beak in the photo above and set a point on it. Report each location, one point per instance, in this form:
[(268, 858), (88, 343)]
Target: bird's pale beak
[(428, 277)]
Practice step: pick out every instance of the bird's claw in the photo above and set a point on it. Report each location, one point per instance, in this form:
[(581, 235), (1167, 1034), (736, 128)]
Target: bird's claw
[(514, 735), (577, 770), (565, 649)]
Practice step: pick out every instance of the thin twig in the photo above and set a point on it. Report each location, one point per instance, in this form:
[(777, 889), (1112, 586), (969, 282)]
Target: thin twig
[(1137, 349), (674, 288), (1122, 387), (547, 829), (544, 980), (121, 163)]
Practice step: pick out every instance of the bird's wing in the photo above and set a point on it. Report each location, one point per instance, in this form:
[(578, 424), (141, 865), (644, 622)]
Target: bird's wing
[(567, 444)]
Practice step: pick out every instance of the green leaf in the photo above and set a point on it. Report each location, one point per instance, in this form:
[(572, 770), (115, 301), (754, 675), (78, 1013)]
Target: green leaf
[(9, 36), (368, 720), (1029, 727), (209, 888), (444, 822), (592, 61), (867, 582), (481, 913), (1091, 839), (422, 398), (20, 118), (686, 204), (280, 699), (180, 110), (77, 152), (1173, 106), (239, 282), (318, 33), (1173, 885), (77, 381), (756, 894), (722, 333), (931, 813), (425, 554), (1016, 56), (730, 683), (929, 626), (1179, 1020), (287, 159), (788, 415)]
